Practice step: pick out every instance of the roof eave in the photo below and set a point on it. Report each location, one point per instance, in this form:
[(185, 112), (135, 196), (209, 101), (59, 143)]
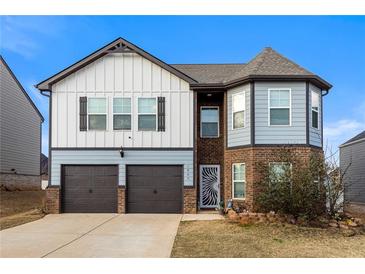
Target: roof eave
[(233, 83)]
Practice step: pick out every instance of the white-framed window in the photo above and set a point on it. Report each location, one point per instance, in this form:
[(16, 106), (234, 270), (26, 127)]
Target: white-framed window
[(147, 114), (97, 113), (209, 122), (238, 110), (279, 170), (279, 107), (122, 113), (238, 181), (315, 109)]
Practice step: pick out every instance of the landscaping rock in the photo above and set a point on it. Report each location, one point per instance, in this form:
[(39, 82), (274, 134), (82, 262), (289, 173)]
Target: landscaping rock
[(232, 215), (333, 224), (348, 233), (351, 223), (358, 221), (343, 225)]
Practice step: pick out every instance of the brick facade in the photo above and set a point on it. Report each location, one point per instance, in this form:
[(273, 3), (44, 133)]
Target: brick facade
[(121, 200), (251, 156), (53, 203), (190, 200), (211, 150)]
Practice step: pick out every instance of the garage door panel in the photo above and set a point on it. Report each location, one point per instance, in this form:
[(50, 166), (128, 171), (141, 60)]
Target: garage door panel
[(90, 189), (142, 182), (148, 195), (154, 189), (155, 207)]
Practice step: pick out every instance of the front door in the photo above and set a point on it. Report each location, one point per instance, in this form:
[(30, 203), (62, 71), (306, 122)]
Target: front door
[(209, 186)]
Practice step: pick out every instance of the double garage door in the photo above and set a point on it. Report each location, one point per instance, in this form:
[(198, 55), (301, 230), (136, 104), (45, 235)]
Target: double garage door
[(94, 189)]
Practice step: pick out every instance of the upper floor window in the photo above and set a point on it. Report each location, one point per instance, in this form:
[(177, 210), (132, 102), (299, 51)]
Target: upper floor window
[(209, 122), (238, 181), (279, 107), (122, 118), (97, 112), (315, 109), (147, 114), (238, 110)]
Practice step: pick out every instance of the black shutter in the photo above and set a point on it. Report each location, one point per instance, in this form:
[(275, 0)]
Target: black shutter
[(83, 113), (161, 113)]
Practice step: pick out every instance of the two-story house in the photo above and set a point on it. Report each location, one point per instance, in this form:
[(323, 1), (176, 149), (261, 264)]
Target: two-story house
[(130, 133), (20, 135)]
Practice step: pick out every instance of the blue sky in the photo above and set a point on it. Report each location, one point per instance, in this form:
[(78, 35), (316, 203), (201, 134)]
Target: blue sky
[(333, 47)]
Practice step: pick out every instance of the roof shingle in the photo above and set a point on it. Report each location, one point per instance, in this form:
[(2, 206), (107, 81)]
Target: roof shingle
[(267, 62)]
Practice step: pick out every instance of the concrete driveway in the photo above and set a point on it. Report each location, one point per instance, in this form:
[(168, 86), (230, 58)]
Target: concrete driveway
[(92, 235)]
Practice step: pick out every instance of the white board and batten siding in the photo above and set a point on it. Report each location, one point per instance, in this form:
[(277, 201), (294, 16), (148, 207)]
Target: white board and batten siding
[(240, 136), (122, 75), (293, 134), (131, 157), (315, 134)]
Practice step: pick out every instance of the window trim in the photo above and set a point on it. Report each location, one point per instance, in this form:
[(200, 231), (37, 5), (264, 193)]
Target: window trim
[(270, 107), (243, 181), (312, 91), (244, 110), (142, 113), (106, 113), (201, 122), (120, 113)]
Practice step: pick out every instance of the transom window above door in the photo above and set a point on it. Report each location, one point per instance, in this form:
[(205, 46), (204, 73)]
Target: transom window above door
[(97, 112), (238, 110), (122, 117), (279, 107), (209, 122), (147, 114)]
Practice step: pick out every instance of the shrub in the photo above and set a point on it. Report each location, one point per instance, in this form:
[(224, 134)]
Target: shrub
[(296, 188)]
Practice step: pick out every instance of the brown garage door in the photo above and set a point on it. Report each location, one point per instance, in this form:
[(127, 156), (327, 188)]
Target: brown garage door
[(89, 189), (154, 189)]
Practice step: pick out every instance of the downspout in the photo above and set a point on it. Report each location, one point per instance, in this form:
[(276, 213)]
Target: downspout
[(43, 92)]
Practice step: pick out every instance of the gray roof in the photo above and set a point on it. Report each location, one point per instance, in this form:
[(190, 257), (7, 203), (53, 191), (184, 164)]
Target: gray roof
[(356, 138), (210, 73), (266, 63)]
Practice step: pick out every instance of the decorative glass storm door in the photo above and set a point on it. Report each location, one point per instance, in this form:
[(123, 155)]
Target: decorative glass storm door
[(209, 186)]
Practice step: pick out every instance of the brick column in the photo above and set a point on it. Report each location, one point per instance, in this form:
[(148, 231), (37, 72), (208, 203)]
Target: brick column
[(53, 200), (190, 200), (121, 200)]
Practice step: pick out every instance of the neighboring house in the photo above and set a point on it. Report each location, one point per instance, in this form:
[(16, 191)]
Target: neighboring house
[(20, 135), (352, 165), (131, 133)]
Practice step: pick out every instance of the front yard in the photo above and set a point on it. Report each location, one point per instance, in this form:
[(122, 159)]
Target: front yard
[(19, 207), (224, 239)]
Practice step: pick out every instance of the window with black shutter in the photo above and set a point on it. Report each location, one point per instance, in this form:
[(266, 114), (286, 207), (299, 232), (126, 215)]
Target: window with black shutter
[(83, 113), (161, 113)]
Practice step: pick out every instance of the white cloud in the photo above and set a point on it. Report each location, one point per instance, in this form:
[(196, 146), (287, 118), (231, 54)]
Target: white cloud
[(339, 132)]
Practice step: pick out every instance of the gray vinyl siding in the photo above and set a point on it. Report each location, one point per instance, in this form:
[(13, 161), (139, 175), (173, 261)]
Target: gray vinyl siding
[(20, 130), (131, 157), (315, 135), (293, 134), (352, 164), (241, 136)]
